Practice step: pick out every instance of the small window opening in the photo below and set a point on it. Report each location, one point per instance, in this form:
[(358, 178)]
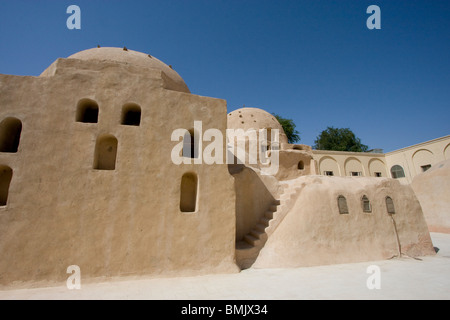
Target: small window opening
[(390, 205), (131, 115), (105, 153), (190, 147), (5, 180), (378, 174), (328, 173), (397, 172), (301, 165), (342, 204), (10, 130), (188, 192), (366, 204), (87, 111), (356, 173), (426, 167), (269, 137)]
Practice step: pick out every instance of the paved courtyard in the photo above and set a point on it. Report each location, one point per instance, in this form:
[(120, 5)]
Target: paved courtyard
[(403, 278)]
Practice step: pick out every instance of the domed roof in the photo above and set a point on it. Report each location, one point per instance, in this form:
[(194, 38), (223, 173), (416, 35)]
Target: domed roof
[(131, 57), (254, 118)]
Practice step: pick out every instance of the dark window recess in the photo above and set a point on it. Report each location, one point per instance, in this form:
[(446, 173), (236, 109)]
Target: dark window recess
[(87, 111), (10, 131), (131, 115)]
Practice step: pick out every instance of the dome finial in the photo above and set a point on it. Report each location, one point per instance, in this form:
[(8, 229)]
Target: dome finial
[(125, 49)]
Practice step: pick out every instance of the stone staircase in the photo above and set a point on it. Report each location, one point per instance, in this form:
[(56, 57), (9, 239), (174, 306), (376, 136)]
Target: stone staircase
[(247, 250)]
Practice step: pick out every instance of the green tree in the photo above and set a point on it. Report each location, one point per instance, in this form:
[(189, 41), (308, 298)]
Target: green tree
[(339, 139), (289, 128)]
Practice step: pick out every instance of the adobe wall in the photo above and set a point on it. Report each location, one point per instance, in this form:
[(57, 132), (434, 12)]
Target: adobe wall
[(432, 188), (125, 222), (254, 196), (315, 233)]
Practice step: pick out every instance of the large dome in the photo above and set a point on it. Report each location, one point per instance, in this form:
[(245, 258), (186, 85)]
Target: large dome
[(131, 57)]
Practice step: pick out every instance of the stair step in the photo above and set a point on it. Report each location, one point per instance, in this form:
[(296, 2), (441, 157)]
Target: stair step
[(273, 208), (242, 245), (256, 233), (269, 214), (277, 202), (265, 221), (261, 227), (250, 239)]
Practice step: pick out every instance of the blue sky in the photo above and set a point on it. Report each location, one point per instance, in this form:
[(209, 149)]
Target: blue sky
[(313, 61)]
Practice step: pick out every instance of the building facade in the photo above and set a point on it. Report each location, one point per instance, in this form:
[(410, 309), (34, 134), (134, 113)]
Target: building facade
[(403, 164)]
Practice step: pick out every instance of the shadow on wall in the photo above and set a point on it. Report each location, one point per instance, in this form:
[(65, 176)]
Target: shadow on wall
[(253, 199)]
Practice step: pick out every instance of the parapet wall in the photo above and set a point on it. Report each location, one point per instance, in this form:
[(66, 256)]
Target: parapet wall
[(314, 232)]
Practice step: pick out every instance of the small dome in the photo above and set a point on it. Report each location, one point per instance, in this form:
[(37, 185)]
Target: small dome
[(135, 58), (254, 118)]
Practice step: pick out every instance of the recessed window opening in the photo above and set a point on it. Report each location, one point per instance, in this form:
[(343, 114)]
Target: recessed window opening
[(390, 205), (356, 173), (188, 192), (105, 153), (5, 180), (366, 204), (301, 165), (425, 167), (131, 115), (87, 111), (328, 173), (378, 174), (397, 172), (190, 147), (342, 204), (269, 137), (10, 130)]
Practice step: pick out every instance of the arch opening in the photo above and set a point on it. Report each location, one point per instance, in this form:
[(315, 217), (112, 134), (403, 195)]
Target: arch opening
[(342, 204), (87, 111), (5, 180), (131, 115), (105, 153), (188, 192), (397, 172), (10, 131)]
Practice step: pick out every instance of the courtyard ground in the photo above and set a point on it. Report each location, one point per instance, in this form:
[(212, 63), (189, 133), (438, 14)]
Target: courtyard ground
[(400, 278)]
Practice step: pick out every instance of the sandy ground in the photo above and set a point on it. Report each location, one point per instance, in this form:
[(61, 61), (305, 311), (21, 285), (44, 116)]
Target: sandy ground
[(401, 278)]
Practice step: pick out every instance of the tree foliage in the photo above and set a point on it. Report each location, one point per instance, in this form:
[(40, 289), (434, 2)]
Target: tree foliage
[(339, 139), (289, 128)]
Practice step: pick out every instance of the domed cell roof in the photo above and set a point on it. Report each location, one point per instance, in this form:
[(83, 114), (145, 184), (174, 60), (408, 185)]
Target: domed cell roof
[(135, 58), (254, 118)]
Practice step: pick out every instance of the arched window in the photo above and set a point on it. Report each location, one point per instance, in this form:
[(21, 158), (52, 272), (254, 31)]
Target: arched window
[(342, 204), (366, 204), (105, 153), (188, 192), (190, 146), (87, 111), (131, 115), (5, 180), (301, 165), (397, 172), (10, 130), (390, 205)]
